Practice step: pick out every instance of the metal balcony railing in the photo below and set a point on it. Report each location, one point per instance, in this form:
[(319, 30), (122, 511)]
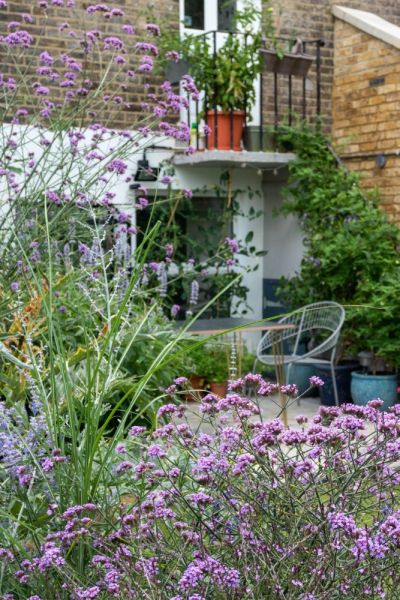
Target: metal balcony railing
[(285, 95)]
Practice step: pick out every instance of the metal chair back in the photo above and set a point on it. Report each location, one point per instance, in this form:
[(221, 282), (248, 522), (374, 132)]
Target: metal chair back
[(322, 319)]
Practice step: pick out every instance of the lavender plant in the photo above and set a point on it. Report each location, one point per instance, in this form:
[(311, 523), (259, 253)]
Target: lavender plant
[(72, 306)]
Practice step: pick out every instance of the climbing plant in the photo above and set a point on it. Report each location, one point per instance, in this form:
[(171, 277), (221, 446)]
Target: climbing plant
[(197, 241), (349, 243)]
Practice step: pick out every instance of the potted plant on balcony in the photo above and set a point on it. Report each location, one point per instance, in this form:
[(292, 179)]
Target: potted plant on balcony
[(292, 61), (230, 89), (224, 67)]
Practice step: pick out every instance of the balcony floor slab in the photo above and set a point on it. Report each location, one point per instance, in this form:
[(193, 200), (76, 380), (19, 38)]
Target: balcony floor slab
[(231, 158)]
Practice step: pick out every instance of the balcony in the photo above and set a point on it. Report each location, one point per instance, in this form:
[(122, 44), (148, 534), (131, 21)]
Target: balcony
[(286, 90)]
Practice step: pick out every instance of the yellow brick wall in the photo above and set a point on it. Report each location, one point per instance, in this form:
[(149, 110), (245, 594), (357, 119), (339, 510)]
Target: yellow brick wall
[(311, 20), (365, 117)]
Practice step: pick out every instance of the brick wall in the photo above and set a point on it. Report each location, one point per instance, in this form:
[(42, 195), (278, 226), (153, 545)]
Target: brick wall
[(366, 101), (312, 19), (45, 29)]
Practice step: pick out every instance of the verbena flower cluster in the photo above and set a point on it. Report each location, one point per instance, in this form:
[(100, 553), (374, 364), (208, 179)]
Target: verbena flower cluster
[(236, 508)]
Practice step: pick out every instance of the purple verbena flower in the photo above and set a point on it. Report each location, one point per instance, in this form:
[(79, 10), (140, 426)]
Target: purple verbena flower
[(316, 381), (117, 166), (153, 28)]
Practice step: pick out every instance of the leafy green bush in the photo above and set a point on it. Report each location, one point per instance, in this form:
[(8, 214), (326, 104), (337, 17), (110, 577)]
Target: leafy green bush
[(351, 250), (210, 361)]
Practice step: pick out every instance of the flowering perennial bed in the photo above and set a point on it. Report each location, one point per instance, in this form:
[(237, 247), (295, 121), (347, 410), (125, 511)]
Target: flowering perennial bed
[(249, 510), (105, 491)]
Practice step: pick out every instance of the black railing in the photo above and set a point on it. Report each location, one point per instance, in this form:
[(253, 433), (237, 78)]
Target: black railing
[(289, 90)]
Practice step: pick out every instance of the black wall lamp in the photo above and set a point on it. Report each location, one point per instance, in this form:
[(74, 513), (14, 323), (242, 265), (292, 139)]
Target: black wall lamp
[(144, 171), (380, 160)]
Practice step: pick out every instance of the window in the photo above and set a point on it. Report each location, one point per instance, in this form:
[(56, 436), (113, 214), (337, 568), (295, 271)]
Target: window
[(197, 231), (194, 14), (200, 225), (226, 13)]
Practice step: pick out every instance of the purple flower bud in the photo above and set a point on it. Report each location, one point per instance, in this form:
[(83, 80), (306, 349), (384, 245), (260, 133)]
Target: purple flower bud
[(194, 293), (173, 55), (128, 29), (233, 245), (175, 308), (153, 28), (117, 166)]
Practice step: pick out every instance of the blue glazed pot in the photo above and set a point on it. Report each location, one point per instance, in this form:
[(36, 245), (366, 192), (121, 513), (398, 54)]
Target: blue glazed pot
[(368, 387), (343, 381), (300, 374)]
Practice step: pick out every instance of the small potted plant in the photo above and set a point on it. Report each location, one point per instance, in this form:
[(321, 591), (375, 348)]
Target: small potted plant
[(288, 62), (377, 334), (225, 73), (211, 362)]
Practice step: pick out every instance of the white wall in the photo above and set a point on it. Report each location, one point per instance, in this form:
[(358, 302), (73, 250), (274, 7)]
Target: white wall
[(282, 236)]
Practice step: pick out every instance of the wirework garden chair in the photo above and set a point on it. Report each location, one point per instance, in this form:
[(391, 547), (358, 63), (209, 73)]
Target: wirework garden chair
[(320, 322)]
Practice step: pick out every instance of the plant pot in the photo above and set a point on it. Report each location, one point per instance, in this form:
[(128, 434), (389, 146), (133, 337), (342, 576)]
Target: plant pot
[(299, 374), (289, 64), (229, 133), (219, 389), (196, 383), (252, 141), (343, 382), (366, 387)]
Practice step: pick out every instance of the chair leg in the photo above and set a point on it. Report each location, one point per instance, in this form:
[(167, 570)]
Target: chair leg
[(335, 392)]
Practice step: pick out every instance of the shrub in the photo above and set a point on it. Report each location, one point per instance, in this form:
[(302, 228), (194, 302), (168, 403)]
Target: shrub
[(350, 246)]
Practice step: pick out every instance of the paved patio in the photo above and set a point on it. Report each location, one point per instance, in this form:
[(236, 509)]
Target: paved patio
[(270, 409)]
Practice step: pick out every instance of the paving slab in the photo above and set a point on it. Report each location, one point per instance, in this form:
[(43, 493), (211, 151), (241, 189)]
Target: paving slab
[(270, 409)]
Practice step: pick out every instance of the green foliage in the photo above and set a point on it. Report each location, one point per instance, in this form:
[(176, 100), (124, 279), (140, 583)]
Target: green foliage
[(247, 360), (210, 361), (228, 76), (376, 326), (351, 250)]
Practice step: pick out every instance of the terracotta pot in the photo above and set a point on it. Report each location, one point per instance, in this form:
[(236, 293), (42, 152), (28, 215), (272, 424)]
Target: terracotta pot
[(196, 383), (230, 130), (219, 389)]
